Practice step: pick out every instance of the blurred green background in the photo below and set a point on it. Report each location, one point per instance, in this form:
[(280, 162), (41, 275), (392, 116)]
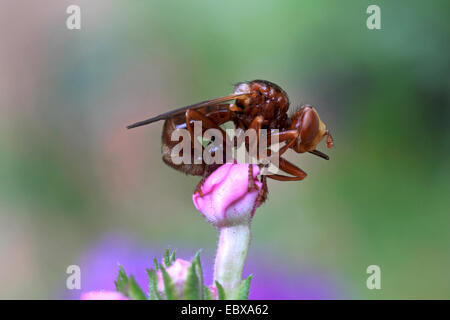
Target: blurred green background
[(70, 172)]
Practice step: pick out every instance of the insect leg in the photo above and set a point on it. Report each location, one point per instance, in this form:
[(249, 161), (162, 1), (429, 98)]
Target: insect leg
[(252, 148), (298, 174), (193, 115), (289, 136), (251, 182), (220, 116), (198, 188), (206, 173), (256, 125), (207, 123), (262, 196)]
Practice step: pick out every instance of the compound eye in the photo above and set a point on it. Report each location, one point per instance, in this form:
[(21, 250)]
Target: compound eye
[(309, 126)]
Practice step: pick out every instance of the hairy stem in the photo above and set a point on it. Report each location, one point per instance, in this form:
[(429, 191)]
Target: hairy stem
[(231, 253)]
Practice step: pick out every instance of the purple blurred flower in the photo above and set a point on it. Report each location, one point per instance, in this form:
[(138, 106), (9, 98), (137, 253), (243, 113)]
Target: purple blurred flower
[(273, 278), (277, 279)]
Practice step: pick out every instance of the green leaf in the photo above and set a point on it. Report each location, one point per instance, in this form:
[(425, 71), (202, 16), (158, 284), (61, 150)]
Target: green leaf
[(244, 289), (169, 288), (207, 294), (172, 257), (199, 272), (167, 258), (155, 262), (122, 282), (220, 292), (191, 287), (135, 291), (153, 285)]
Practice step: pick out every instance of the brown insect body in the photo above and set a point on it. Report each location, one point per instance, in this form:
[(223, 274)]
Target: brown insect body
[(259, 104), (269, 101), (167, 144), (265, 99)]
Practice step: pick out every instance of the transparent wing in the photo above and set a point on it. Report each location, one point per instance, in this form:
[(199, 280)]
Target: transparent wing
[(181, 110)]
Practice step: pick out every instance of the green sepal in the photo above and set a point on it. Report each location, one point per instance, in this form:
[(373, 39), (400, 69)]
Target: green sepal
[(244, 289), (172, 257), (191, 287), (128, 286), (207, 294), (153, 292), (135, 291), (220, 292), (122, 282), (169, 288), (155, 262), (198, 269), (167, 258)]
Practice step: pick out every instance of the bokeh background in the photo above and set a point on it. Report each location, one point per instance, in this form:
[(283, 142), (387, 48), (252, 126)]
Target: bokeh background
[(77, 188)]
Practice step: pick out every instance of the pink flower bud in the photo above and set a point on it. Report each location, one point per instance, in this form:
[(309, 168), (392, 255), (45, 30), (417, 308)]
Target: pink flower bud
[(178, 272), (103, 295), (214, 293), (226, 200)]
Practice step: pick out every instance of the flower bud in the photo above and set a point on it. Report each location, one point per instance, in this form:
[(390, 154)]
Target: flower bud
[(178, 272), (213, 291), (103, 295), (225, 199)]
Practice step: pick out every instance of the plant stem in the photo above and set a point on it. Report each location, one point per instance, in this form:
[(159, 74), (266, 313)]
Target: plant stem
[(231, 253)]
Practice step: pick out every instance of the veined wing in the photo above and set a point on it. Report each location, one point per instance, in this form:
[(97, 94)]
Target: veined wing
[(195, 106)]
